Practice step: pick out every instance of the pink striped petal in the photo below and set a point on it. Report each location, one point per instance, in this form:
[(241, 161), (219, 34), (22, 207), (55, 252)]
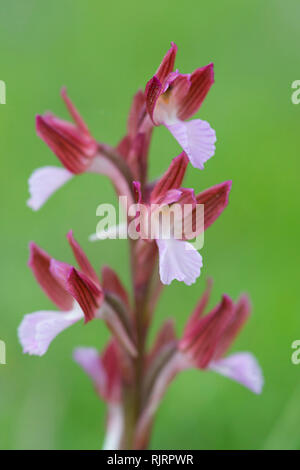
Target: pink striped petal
[(81, 287), (74, 148), (39, 263), (44, 182), (81, 258), (196, 138), (38, 329), (200, 82), (196, 315), (172, 178), (74, 112), (136, 113), (111, 364), (242, 311), (215, 200), (203, 341), (112, 283), (179, 260), (243, 368), (137, 155), (152, 92), (123, 147), (167, 64)]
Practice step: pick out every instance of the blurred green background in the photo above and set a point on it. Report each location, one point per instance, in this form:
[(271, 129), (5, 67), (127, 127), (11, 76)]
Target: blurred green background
[(103, 52)]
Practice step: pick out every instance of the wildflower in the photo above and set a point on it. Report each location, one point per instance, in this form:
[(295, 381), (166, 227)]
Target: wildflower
[(206, 340), (77, 150), (162, 224), (172, 98), (178, 258), (78, 295), (203, 345)]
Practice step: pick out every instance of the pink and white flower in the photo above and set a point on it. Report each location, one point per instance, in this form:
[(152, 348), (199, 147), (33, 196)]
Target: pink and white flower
[(78, 294), (203, 345), (178, 258), (78, 152), (172, 98), (206, 339)]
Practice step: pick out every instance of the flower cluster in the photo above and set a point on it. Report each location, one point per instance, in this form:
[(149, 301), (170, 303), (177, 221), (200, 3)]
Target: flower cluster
[(127, 375)]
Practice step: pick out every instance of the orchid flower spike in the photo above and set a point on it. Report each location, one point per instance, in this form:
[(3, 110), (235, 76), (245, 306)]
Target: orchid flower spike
[(165, 222), (172, 98)]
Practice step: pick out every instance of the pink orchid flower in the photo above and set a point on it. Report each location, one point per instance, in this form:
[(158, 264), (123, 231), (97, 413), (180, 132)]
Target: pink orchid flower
[(78, 295), (206, 340), (78, 152), (172, 98), (203, 345), (178, 258)]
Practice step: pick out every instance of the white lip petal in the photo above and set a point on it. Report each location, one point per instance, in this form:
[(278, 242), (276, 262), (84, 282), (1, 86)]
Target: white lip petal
[(37, 330), (44, 182), (243, 368), (196, 138), (179, 260)]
